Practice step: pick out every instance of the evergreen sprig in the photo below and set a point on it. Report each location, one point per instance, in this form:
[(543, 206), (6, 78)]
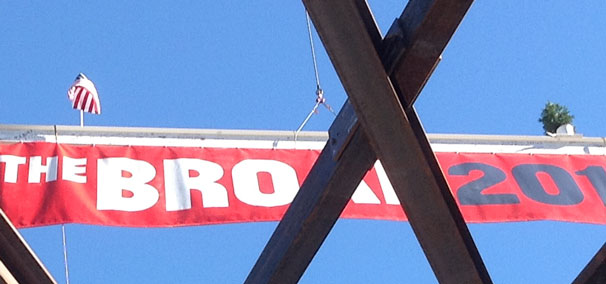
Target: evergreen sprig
[(553, 116)]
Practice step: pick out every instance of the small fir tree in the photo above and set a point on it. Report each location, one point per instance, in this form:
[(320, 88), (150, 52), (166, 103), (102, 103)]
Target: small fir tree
[(554, 116)]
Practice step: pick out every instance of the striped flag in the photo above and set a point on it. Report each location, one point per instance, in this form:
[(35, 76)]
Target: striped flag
[(83, 95)]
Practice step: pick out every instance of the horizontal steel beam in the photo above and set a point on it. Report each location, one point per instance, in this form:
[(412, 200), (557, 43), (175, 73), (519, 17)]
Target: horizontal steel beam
[(274, 135)]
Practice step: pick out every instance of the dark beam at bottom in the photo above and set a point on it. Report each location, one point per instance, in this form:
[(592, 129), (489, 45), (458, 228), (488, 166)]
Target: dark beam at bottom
[(318, 204), (595, 271), (396, 137), (18, 258)]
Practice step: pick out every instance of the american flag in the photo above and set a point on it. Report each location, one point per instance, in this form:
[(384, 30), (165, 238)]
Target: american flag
[(83, 95)]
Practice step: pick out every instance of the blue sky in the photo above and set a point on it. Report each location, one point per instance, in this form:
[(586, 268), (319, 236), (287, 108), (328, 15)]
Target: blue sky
[(235, 65)]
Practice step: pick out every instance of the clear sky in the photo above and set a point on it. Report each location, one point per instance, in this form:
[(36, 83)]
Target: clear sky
[(235, 65)]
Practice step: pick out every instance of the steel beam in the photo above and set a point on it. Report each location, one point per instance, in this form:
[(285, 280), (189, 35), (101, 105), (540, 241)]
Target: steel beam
[(595, 270), (413, 45), (399, 140), (354, 44), (18, 261), (321, 199)]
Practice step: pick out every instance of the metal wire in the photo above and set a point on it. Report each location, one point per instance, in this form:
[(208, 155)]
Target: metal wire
[(320, 100), (307, 118), (313, 51), (65, 254)]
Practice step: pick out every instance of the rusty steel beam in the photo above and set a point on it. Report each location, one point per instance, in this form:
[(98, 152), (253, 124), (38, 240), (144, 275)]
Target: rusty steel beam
[(461, 263), (397, 138), (18, 261), (595, 270), (417, 38), (321, 199)]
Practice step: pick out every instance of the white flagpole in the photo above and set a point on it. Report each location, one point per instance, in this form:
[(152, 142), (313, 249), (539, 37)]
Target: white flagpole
[(65, 254), (63, 225)]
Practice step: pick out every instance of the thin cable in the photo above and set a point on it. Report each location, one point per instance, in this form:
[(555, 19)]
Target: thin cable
[(65, 254), (320, 100), (307, 119), (313, 51), (319, 92)]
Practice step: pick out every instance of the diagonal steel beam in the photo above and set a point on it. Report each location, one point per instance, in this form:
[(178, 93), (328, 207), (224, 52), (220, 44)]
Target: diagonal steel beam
[(17, 260), (449, 248), (413, 45), (410, 164), (595, 270), (321, 199)]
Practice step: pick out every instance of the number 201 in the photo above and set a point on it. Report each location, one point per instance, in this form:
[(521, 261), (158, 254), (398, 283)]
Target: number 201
[(526, 177)]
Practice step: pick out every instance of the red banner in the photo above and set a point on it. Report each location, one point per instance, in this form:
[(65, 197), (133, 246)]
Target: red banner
[(148, 186)]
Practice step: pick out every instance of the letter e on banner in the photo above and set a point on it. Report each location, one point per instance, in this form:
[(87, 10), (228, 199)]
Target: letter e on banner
[(110, 184), (247, 188), (74, 169)]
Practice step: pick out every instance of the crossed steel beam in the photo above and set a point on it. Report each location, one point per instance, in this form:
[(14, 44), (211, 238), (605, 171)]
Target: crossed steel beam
[(382, 78)]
